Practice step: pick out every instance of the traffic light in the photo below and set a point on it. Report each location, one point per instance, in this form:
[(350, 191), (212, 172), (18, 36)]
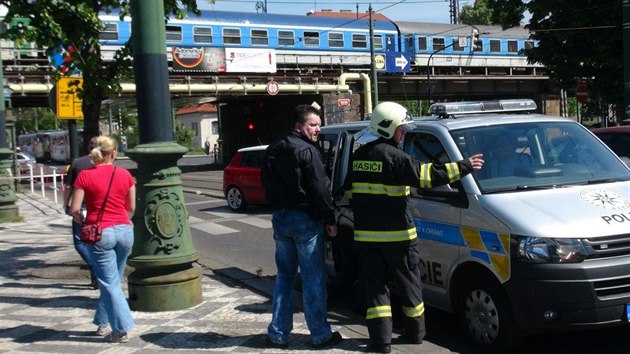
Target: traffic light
[(250, 125), (475, 41)]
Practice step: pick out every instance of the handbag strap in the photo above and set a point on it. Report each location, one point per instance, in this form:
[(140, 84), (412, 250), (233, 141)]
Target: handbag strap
[(100, 213)]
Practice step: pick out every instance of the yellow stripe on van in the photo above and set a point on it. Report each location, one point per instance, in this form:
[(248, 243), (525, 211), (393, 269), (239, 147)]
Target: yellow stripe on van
[(501, 264), (472, 238)]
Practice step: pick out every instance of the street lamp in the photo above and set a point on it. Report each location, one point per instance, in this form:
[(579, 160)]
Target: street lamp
[(430, 91)]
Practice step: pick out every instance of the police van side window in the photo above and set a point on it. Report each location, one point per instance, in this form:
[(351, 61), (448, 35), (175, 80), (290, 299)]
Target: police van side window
[(425, 148)]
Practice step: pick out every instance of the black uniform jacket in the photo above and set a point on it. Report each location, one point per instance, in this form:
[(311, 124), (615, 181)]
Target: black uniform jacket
[(294, 178), (379, 180)]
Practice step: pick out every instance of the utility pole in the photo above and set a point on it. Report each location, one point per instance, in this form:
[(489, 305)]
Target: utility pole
[(454, 11), (373, 65), (164, 278), (626, 56)]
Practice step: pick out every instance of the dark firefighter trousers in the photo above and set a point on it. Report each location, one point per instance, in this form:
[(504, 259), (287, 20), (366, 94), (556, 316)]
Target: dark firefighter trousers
[(400, 264)]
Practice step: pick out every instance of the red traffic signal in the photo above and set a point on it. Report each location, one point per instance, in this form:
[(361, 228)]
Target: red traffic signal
[(250, 126)]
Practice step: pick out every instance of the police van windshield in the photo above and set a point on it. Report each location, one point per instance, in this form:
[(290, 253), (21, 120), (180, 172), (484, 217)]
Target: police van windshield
[(538, 155)]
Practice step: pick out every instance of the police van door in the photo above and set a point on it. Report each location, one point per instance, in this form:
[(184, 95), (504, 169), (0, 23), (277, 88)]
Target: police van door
[(437, 213)]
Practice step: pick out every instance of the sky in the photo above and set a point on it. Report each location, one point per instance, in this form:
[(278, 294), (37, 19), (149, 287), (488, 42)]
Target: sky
[(398, 10)]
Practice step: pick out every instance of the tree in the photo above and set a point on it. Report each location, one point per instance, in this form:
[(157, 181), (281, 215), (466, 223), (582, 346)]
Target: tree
[(477, 14), (72, 27), (578, 40)]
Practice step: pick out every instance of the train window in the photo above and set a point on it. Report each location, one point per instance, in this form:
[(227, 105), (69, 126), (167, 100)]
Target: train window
[(335, 40), (231, 36), (479, 46), (409, 43), (109, 32), (202, 34), (378, 41), (438, 44), (495, 46), (173, 33), (260, 37), (529, 45), (512, 46), (422, 43), (286, 38), (311, 39), (456, 45), (359, 41)]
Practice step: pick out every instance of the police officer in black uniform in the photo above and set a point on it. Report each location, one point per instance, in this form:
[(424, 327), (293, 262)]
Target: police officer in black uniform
[(384, 231)]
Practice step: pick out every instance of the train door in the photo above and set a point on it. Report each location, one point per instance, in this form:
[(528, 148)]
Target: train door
[(390, 43)]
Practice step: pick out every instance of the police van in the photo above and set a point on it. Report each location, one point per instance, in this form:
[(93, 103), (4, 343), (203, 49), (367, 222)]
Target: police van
[(537, 240)]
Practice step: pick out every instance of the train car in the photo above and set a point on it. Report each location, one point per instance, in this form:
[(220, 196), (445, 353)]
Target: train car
[(497, 49), (60, 145), (334, 41), (36, 144), (295, 39)]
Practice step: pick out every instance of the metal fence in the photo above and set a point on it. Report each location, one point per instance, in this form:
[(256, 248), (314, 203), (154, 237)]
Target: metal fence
[(44, 179)]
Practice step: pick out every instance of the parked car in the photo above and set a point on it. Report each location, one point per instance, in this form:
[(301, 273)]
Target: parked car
[(24, 160), (241, 178), (617, 138)]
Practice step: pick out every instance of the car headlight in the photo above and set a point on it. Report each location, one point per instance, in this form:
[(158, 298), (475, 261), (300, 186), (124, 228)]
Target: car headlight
[(549, 250)]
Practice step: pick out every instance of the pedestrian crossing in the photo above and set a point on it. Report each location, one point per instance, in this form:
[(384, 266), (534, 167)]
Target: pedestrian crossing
[(214, 223)]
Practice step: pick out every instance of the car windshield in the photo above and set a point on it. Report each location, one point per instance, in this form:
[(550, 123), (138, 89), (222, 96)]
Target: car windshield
[(539, 155)]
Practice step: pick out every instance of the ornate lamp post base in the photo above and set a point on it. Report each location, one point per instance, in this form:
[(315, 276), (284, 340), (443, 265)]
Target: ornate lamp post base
[(164, 278)]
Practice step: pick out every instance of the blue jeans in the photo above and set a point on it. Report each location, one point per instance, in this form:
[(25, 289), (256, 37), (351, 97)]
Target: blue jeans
[(109, 258), (82, 249), (299, 242)]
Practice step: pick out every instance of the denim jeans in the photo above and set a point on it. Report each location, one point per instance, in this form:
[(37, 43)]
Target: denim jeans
[(82, 249), (299, 242), (109, 258)]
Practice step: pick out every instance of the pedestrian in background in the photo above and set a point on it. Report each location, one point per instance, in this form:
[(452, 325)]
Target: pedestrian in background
[(298, 188), (384, 230), (109, 255), (206, 147), (79, 164)]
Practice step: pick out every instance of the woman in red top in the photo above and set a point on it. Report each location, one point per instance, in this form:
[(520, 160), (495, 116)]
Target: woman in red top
[(109, 255)]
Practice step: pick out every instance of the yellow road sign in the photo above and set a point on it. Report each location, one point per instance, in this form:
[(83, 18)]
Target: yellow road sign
[(68, 102)]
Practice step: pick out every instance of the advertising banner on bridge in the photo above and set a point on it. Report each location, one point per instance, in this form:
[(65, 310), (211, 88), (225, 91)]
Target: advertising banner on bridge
[(221, 60)]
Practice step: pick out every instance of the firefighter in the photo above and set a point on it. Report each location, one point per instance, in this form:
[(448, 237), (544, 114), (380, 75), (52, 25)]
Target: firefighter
[(384, 232)]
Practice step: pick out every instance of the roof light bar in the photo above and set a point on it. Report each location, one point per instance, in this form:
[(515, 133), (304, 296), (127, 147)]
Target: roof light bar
[(452, 108)]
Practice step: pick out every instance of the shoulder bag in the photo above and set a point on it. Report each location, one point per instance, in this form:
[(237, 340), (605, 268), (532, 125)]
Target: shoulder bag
[(92, 233)]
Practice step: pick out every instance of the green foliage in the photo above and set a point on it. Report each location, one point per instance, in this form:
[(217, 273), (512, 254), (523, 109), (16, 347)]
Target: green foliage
[(508, 13), (578, 41), (183, 135), (55, 24), (415, 107), (477, 14), (47, 121)]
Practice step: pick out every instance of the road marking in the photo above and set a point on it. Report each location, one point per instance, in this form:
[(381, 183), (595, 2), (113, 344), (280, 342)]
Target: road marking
[(205, 202), (213, 228), (254, 221)]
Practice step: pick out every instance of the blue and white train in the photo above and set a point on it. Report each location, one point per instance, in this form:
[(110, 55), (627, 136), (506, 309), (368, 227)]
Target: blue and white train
[(317, 40)]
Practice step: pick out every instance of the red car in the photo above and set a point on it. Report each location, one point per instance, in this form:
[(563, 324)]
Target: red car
[(241, 178), (617, 139)]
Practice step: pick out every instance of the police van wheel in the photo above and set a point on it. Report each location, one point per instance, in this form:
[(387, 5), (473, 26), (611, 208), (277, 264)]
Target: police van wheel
[(486, 316), (235, 199)]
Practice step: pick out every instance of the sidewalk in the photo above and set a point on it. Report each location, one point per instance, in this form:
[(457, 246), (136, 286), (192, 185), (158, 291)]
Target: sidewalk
[(46, 306)]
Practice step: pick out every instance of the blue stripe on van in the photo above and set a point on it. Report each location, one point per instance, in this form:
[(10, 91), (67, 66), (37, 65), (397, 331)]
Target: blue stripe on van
[(491, 242), (481, 255), (444, 233)]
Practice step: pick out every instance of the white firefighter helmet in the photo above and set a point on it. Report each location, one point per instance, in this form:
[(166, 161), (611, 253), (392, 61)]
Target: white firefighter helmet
[(387, 116)]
